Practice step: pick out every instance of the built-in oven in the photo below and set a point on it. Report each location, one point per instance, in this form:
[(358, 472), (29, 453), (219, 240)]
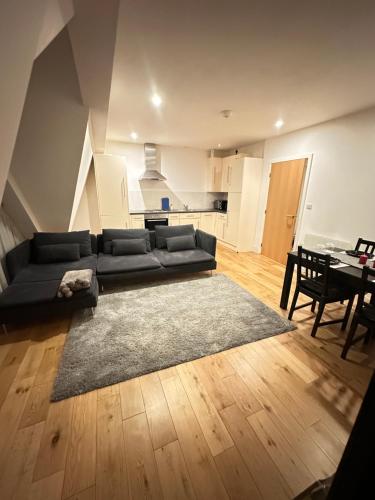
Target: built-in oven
[(152, 220)]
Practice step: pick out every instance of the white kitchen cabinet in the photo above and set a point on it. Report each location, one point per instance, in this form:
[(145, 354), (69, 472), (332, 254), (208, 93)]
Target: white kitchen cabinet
[(215, 167), (173, 220), (220, 226), (190, 219), (111, 186), (207, 222), (114, 222), (232, 173), (137, 221)]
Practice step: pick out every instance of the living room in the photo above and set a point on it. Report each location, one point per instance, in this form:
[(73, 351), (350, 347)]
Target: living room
[(188, 249)]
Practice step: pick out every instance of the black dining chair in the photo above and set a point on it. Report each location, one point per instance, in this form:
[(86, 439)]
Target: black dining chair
[(364, 314), (365, 246), (314, 280)]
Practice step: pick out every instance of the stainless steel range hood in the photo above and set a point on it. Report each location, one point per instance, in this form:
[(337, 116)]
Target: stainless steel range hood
[(152, 164)]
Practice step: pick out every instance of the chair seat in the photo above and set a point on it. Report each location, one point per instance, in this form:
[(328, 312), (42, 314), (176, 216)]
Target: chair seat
[(335, 292), (368, 312)]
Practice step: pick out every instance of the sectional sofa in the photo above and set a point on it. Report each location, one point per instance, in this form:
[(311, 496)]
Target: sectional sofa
[(35, 267)]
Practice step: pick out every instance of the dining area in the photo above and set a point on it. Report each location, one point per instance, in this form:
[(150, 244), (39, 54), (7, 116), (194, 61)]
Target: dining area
[(327, 275)]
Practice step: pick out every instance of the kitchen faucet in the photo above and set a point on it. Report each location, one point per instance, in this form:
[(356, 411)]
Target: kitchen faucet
[(186, 206)]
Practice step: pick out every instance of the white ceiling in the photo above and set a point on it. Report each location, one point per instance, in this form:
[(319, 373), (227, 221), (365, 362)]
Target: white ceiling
[(302, 61)]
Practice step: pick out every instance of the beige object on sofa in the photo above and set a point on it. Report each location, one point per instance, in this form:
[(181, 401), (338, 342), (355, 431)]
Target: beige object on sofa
[(74, 281)]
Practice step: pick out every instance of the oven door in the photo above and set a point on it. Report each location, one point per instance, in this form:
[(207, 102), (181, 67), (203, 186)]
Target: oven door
[(150, 223)]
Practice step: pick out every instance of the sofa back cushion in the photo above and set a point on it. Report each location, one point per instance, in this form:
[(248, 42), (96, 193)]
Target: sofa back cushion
[(164, 232), (124, 234), (81, 237), (134, 246), (177, 243), (61, 252)]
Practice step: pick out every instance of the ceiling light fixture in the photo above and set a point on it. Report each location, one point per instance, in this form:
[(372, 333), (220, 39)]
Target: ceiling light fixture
[(219, 145), (279, 123), (226, 113), (156, 100), (134, 136)]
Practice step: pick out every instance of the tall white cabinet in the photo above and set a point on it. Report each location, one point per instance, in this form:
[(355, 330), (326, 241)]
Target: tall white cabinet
[(241, 179), (111, 185)]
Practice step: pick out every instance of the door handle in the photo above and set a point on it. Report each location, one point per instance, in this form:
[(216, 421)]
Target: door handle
[(291, 216)]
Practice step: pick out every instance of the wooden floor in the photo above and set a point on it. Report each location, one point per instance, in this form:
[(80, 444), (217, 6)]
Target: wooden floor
[(262, 421)]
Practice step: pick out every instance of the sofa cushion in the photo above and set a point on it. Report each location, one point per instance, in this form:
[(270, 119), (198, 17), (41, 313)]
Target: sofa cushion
[(45, 272), (122, 234), (110, 264), (29, 294), (62, 252), (81, 237), (183, 257), (177, 243), (129, 246), (163, 232)]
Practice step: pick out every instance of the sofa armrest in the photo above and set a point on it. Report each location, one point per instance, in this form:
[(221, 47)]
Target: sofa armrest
[(206, 242), (18, 258)]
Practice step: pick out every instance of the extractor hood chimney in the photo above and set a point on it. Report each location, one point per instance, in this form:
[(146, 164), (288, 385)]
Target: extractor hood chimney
[(152, 162)]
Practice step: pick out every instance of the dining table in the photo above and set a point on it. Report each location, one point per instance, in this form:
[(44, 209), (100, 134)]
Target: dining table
[(346, 274)]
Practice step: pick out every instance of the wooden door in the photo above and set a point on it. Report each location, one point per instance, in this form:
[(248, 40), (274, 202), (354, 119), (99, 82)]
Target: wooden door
[(284, 195)]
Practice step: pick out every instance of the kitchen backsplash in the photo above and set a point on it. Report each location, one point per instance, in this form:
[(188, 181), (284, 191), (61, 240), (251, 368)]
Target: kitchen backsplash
[(151, 199)]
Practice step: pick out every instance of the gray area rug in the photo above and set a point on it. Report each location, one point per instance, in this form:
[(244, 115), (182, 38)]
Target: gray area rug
[(142, 330)]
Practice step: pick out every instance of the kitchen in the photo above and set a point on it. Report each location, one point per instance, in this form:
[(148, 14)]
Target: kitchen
[(139, 186)]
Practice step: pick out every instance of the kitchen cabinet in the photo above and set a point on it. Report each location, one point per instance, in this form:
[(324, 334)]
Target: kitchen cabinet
[(114, 222), (111, 186), (207, 222), (190, 219), (232, 174), (215, 167), (173, 220), (220, 226), (137, 221)]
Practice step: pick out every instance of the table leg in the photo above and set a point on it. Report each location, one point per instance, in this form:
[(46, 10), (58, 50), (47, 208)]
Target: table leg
[(288, 277)]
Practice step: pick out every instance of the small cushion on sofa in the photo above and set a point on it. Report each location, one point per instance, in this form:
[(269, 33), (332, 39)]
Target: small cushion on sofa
[(62, 252), (124, 234), (177, 243), (80, 237), (129, 247), (164, 232), (183, 257)]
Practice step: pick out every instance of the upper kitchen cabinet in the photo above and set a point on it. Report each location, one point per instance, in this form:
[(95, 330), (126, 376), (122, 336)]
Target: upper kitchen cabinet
[(111, 185), (215, 167), (232, 174)]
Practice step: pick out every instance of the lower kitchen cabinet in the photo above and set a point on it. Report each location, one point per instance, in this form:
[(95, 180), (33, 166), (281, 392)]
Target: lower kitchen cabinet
[(137, 221), (173, 220), (207, 222), (190, 219), (220, 226), (114, 222)]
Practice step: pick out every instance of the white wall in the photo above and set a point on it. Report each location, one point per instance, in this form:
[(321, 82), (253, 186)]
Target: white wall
[(48, 150), (184, 168), (19, 32), (341, 187)]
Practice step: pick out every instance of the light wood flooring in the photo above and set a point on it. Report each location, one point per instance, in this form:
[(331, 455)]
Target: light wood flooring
[(262, 421)]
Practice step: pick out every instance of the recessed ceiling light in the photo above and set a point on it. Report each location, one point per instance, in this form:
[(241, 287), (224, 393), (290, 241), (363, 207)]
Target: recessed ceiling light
[(156, 100), (219, 145), (279, 123), (134, 136)]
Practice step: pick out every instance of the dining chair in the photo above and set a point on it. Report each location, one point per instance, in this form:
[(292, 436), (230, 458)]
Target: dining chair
[(314, 280), (365, 246), (364, 314)]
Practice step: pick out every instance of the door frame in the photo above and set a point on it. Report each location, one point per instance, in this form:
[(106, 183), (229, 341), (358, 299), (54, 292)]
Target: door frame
[(302, 201)]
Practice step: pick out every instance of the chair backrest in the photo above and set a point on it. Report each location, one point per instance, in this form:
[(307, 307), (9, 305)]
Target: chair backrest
[(312, 265), (366, 246), (368, 274)]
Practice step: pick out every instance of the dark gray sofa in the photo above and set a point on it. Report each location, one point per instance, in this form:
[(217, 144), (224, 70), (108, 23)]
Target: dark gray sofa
[(32, 289), (158, 261)]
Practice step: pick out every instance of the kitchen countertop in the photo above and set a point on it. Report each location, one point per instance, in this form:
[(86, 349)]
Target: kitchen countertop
[(190, 211)]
